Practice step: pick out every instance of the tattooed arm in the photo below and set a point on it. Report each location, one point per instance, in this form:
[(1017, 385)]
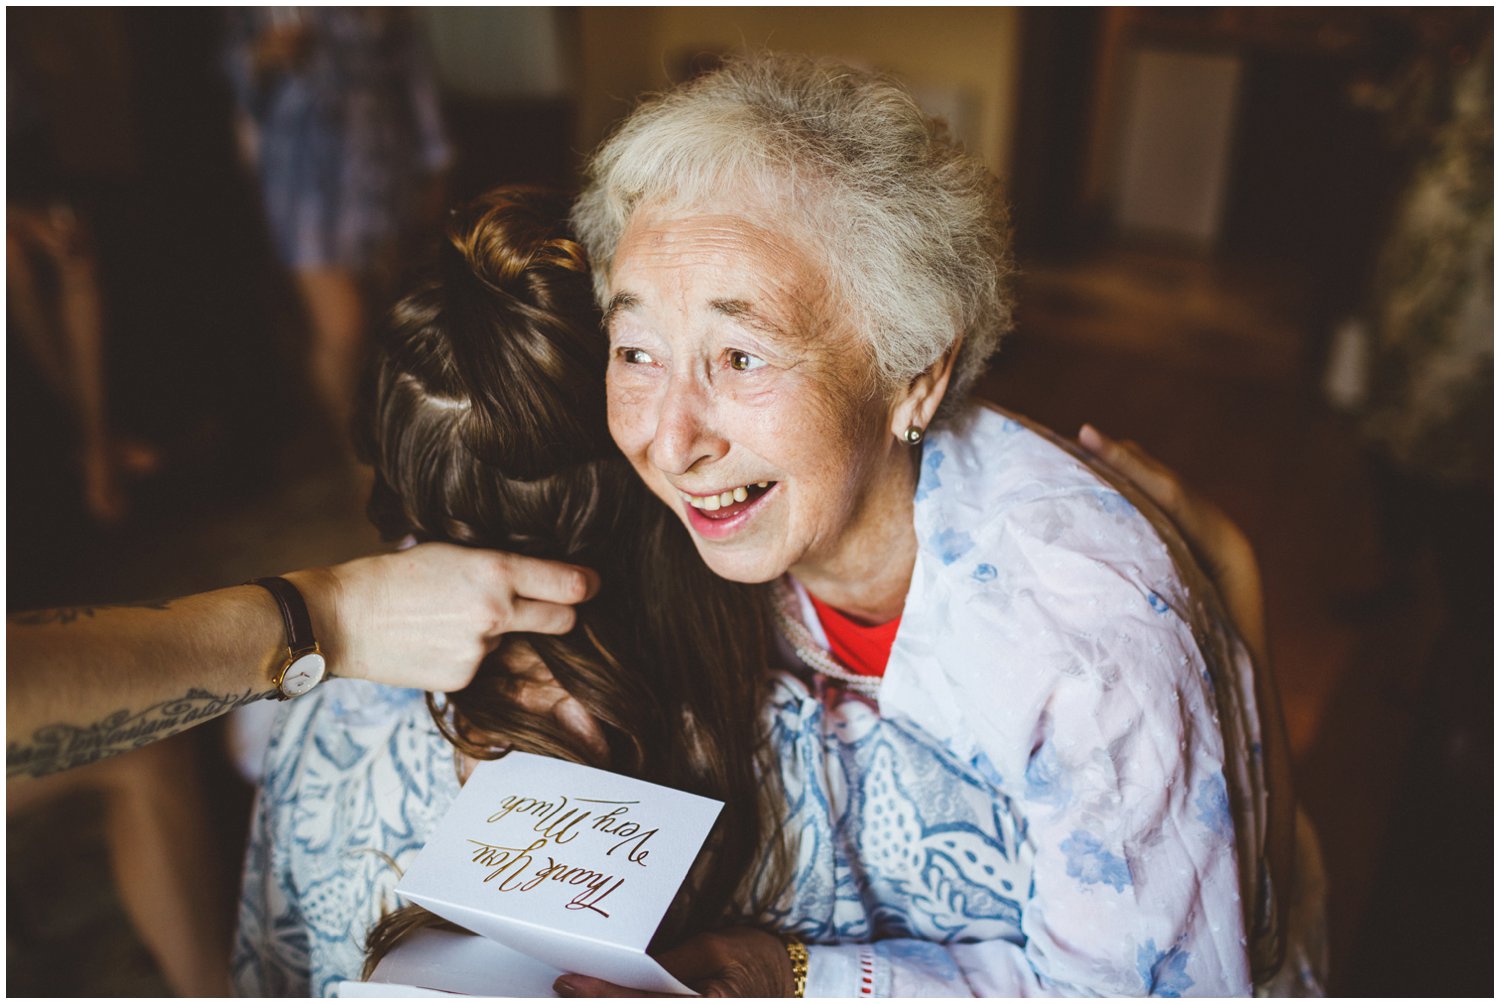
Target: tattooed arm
[(84, 683), (87, 682)]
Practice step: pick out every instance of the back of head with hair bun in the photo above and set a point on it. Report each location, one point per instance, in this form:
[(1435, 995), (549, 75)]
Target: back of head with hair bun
[(508, 266), (483, 416)]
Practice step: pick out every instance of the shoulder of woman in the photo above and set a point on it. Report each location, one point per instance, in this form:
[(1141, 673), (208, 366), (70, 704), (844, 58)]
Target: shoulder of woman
[(1031, 562), (1001, 497), (997, 460)]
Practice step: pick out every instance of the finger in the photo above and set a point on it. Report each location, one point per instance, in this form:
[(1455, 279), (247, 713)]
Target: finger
[(1108, 448), (533, 676), (521, 659), (1113, 452), (1154, 478), (1143, 470), (531, 685), (541, 617), (575, 985), (1138, 454), (528, 679), (552, 581), (537, 698), (573, 716), (1092, 439), (554, 702)]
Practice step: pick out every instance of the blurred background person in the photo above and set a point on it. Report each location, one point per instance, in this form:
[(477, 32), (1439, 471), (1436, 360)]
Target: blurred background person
[(51, 278), (339, 115), (132, 352), (1416, 375), (52, 274), (339, 118), (72, 149)]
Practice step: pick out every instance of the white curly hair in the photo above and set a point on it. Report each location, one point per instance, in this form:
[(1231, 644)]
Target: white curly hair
[(912, 226)]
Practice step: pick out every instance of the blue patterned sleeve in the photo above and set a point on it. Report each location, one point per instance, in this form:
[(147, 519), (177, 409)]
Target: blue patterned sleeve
[(902, 853)]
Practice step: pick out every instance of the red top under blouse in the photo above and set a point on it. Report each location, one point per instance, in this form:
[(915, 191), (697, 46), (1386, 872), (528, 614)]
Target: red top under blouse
[(863, 649)]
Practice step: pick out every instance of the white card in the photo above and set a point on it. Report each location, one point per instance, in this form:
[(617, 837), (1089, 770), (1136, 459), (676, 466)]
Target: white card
[(432, 962), (571, 866)]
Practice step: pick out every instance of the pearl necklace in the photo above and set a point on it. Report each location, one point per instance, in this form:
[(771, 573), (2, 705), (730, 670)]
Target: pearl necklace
[(813, 655)]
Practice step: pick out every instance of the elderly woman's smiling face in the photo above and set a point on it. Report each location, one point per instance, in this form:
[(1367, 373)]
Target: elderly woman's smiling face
[(748, 404)]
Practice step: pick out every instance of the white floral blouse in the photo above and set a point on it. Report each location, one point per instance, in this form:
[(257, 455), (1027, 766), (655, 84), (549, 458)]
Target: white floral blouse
[(1057, 788)]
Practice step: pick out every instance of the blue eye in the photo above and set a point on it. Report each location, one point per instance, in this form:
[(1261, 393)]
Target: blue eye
[(636, 356), (744, 361)]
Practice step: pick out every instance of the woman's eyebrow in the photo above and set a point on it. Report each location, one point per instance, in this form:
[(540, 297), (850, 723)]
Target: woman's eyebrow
[(617, 303), (744, 311)]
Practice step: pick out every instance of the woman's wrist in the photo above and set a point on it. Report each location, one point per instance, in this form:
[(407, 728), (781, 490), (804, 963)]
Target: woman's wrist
[(321, 590)]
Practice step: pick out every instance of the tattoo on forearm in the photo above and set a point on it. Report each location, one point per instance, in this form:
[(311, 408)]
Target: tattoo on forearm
[(67, 615), (62, 745)]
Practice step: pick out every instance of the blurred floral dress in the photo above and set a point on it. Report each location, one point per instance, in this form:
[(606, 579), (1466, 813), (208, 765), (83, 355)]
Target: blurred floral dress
[(1055, 789), (346, 128)]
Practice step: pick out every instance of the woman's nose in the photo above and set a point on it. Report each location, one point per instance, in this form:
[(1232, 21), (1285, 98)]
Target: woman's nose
[(686, 435)]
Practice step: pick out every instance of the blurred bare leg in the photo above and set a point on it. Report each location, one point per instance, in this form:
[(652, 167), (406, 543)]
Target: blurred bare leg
[(66, 338), (336, 314), (33, 321), (162, 850), (82, 325)]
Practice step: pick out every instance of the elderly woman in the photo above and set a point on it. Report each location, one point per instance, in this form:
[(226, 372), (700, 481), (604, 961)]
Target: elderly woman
[(1019, 746), (1026, 746)]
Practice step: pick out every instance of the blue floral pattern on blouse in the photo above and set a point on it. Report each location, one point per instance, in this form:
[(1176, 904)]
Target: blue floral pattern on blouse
[(1163, 974), (1090, 862)]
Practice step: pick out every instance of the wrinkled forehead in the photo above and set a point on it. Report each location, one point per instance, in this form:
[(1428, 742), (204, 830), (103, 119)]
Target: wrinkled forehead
[(723, 236), (733, 255)]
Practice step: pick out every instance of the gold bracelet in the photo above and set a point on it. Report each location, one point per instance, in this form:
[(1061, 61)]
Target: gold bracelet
[(797, 952)]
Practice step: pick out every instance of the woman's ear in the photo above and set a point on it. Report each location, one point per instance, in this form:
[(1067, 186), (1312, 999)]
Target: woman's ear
[(918, 403)]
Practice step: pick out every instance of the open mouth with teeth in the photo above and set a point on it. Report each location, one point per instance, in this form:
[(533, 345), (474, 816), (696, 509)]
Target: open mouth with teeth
[(728, 503)]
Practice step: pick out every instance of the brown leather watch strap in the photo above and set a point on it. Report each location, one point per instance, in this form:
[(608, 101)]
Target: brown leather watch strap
[(299, 629)]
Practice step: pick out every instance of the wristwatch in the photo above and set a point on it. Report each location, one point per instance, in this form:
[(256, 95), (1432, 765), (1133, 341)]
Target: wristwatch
[(304, 667)]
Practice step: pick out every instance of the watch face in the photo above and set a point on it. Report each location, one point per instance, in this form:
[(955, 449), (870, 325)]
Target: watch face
[(303, 675)]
